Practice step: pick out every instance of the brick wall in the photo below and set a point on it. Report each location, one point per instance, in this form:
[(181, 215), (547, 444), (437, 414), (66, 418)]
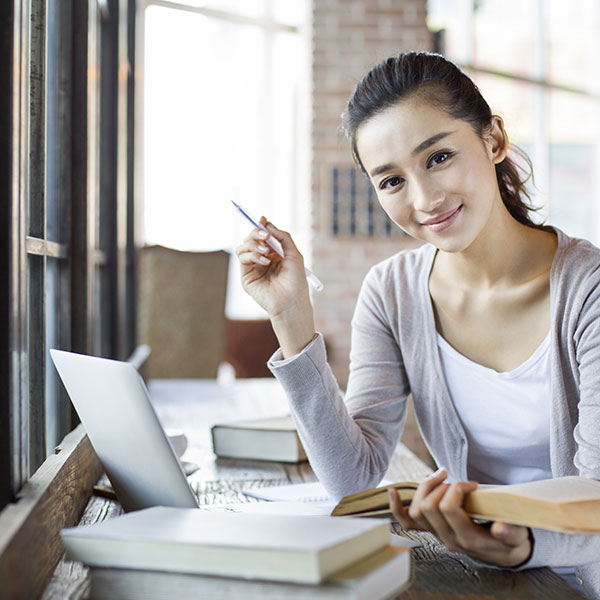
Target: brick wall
[(348, 37)]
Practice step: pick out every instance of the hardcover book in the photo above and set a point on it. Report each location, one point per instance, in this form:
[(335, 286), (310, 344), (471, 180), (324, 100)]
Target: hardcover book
[(273, 439), (565, 504), (383, 574), (279, 547)]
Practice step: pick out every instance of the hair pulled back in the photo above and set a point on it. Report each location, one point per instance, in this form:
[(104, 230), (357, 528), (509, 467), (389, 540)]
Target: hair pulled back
[(442, 84)]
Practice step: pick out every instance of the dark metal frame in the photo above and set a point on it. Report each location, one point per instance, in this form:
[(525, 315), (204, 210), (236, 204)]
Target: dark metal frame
[(66, 158), (6, 60)]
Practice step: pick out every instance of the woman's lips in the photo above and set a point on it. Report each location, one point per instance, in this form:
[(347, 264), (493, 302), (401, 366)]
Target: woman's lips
[(443, 221)]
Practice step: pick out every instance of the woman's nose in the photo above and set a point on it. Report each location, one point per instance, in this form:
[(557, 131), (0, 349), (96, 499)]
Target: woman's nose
[(425, 197)]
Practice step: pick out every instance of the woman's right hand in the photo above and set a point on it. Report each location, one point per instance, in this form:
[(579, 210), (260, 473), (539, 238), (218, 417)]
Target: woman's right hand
[(438, 507), (278, 285)]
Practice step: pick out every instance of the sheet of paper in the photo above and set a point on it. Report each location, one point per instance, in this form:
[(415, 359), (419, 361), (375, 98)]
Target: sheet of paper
[(273, 508), (401, 540), (313, 493)]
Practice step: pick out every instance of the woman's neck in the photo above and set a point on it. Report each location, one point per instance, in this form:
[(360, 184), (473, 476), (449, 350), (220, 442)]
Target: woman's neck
[(506, 253)]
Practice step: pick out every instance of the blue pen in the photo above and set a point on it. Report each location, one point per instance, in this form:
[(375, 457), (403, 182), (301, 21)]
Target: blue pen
[(314, 281)]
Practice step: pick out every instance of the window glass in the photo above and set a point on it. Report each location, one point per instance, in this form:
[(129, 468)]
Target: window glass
[(290, 13), (52, 127), (573, 157), (572, 30), (222, 121), (54, 431), (555, 43), (247, 8), (514, 101), (204, 137), (453, 16), (504, 35)]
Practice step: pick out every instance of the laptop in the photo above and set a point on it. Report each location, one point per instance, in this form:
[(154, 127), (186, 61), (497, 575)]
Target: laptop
[(113, 404)]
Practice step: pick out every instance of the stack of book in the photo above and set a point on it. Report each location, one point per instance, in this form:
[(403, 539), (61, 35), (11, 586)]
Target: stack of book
[(161, 553)]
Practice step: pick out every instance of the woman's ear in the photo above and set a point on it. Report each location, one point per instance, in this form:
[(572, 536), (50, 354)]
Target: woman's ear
[(497, 140)]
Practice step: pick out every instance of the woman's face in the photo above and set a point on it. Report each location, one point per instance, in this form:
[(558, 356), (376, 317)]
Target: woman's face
[(434, 176)]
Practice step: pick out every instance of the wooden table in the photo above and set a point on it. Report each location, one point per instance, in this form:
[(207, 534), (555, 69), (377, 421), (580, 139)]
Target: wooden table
[(194, 405)]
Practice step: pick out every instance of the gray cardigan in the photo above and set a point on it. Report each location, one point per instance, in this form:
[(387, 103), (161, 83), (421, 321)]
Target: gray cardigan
[(349, 440)]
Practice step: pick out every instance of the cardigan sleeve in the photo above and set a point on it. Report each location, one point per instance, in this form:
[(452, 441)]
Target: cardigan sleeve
[(582, 551), (349, 440), (587, 344)]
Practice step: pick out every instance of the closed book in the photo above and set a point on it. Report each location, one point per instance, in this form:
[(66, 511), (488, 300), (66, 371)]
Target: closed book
[(273, 439), (383, 574), (564, 504), (279, 547)]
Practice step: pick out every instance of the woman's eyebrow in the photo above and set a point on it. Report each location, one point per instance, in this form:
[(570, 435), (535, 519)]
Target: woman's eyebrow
[(381, 169), (430, 141)]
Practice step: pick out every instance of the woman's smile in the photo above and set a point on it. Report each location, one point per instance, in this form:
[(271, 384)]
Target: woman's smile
[(444, 220)]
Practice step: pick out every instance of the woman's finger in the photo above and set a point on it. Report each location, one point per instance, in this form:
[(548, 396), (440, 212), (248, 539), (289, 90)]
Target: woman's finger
[(512, 535), (501, 544), (399, 512), (250, 257), (284, 238), (451, 523), (437, 524), (258, 234), (425, 488), (451, 508)]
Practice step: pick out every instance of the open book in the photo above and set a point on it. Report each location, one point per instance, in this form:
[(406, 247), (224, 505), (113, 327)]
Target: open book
[(566, 504)]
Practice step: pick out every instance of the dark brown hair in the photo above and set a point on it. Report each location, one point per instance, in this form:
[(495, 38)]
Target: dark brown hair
[(442, 84)]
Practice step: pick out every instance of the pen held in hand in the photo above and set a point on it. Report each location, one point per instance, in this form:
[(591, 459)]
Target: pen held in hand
[(313, 280)]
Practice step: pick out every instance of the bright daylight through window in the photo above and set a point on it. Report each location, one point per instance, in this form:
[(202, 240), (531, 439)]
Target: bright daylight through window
[(536, 62), (224, 117)]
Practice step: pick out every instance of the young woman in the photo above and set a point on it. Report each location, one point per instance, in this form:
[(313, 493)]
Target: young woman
[(493, 324)]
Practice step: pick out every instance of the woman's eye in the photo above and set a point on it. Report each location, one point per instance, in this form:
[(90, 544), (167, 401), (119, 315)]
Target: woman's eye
[(390, 182), (439, 158)]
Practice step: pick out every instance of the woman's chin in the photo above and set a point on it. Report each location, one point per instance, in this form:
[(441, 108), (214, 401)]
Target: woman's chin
[(448, 243)]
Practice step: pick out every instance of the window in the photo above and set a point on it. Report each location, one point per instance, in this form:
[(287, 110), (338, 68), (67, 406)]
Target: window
[(536, 63), (224, 117), (64, 224)]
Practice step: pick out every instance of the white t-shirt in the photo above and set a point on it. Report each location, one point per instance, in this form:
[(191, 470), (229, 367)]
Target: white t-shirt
[(506, 416)]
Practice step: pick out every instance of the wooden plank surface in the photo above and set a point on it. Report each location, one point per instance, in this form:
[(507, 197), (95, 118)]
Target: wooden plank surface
[(70, 580), (53, 498), (194, 407)]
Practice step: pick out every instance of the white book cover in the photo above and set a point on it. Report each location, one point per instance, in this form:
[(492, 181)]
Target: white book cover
[(280, 547), (380, 575)]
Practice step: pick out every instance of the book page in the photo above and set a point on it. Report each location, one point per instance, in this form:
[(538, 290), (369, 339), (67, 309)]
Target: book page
[(558, 490)]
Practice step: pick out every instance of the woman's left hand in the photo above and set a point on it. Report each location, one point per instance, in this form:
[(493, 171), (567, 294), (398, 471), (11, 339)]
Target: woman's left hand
[(437, 507)]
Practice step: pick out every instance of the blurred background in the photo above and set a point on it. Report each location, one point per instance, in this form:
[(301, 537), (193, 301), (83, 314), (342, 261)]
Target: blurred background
[(243, 99)]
